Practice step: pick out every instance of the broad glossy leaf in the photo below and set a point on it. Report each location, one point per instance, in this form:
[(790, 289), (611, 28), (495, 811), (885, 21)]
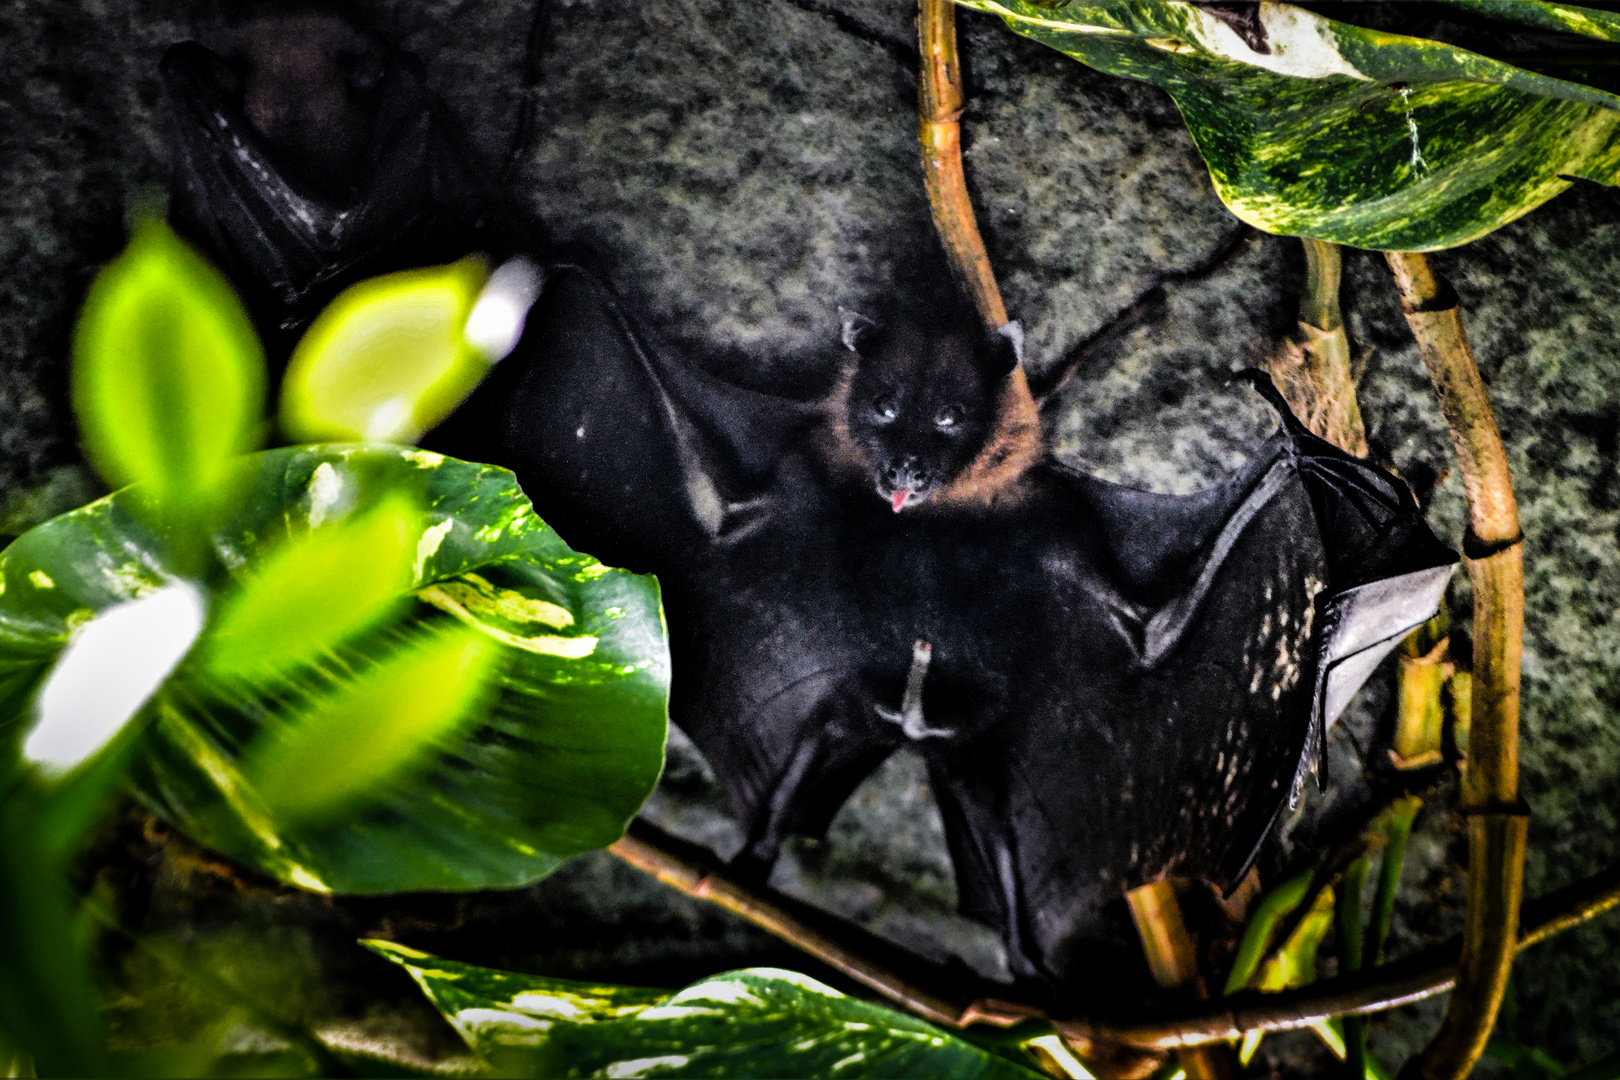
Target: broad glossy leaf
[(315, 591), (756, 1022), (168, 378), (1346, 134), (555, 762), (387, 359)]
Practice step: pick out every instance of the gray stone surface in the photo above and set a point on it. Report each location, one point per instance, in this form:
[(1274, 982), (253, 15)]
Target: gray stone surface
[(746, 168)]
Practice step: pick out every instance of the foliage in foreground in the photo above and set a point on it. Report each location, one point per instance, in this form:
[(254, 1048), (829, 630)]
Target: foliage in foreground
[(357, 667), (756, 1022)]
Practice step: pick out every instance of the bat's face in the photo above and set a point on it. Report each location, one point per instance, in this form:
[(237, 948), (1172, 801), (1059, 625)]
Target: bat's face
[(308, 155), (922, 403), (310, 89)]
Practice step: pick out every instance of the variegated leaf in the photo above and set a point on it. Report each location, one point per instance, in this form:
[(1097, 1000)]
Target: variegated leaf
[(555, 761), (755, 1022), (1316, 127)]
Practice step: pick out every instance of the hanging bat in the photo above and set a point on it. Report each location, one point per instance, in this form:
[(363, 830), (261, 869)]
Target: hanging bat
[(1108, 686)]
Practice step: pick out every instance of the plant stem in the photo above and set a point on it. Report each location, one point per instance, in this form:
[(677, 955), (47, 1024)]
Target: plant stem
[(1313, 373), (1350, 947), (939, 129), (1174, 963), (1401, 816), (1375, 990), (1419, 718), (651, 853), (1497, 820)]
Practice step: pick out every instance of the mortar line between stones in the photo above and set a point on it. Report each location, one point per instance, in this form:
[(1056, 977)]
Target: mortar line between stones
[(902, 50), (1137, 311)]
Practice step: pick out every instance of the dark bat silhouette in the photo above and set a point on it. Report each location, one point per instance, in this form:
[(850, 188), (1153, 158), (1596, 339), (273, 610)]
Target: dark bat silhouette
[(1108, 686)]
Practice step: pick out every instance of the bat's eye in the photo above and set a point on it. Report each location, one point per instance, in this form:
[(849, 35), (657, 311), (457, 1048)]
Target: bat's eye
[(365, 69), (948, 418), (885, 412)]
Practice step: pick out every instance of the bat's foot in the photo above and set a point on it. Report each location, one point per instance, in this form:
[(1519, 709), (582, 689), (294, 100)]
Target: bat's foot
[(911, 722)]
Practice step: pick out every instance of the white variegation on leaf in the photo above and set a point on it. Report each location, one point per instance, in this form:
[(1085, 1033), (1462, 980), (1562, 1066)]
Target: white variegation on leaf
[(112, 667)]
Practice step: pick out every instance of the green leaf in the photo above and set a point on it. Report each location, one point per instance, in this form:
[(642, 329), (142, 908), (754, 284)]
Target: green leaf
[(1351, 135), (388, 359), (47, 1001), (370, 731), (756, 1022), (168, 377), (555, 760), (316, 591), (1273, 908)]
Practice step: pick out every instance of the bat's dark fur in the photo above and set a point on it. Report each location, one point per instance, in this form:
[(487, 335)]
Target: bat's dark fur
[(1108, 686)]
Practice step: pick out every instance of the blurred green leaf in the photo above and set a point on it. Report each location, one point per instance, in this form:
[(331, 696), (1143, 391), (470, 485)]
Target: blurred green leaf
[(377, 726), (386, 360), (555, 761), (316, 591), (1351, 135), (756, 1022), (48, 1008), (168, 377)]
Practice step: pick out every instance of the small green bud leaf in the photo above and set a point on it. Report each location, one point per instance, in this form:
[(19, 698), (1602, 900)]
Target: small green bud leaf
[(350, 746), (317, 591), (387, 359), (168, 376)]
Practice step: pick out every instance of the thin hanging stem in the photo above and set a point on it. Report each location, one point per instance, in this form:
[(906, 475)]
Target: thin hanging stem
[(1497, 820), (939, 129)]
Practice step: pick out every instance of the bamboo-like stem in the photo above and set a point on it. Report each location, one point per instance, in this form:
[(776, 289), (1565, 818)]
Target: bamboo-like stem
[(1422, 672), (1313, 372), (1497, 826), (1173, 961), (939, 129)]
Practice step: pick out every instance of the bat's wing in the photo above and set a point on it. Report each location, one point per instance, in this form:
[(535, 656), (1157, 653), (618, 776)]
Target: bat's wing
[(637, 457), (289, 251), (1173, 682), (645, 460)]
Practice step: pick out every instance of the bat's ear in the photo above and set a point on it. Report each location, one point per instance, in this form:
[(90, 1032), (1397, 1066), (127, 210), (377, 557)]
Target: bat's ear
[(858, 330), (1005, 347)]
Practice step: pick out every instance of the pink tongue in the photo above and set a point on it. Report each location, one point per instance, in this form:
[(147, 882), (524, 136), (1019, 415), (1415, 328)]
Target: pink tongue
[(899, 499)]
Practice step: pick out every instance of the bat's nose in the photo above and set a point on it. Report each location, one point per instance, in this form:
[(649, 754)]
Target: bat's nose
[(902, 472)]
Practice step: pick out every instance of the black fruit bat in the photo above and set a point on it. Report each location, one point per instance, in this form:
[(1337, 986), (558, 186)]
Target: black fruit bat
[(1109, 686)]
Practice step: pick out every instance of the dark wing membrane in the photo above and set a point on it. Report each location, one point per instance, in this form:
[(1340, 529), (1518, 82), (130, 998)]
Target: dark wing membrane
[(1161, 734), (1388, 573), (640, 460), (288, 251), (1115, 760)]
